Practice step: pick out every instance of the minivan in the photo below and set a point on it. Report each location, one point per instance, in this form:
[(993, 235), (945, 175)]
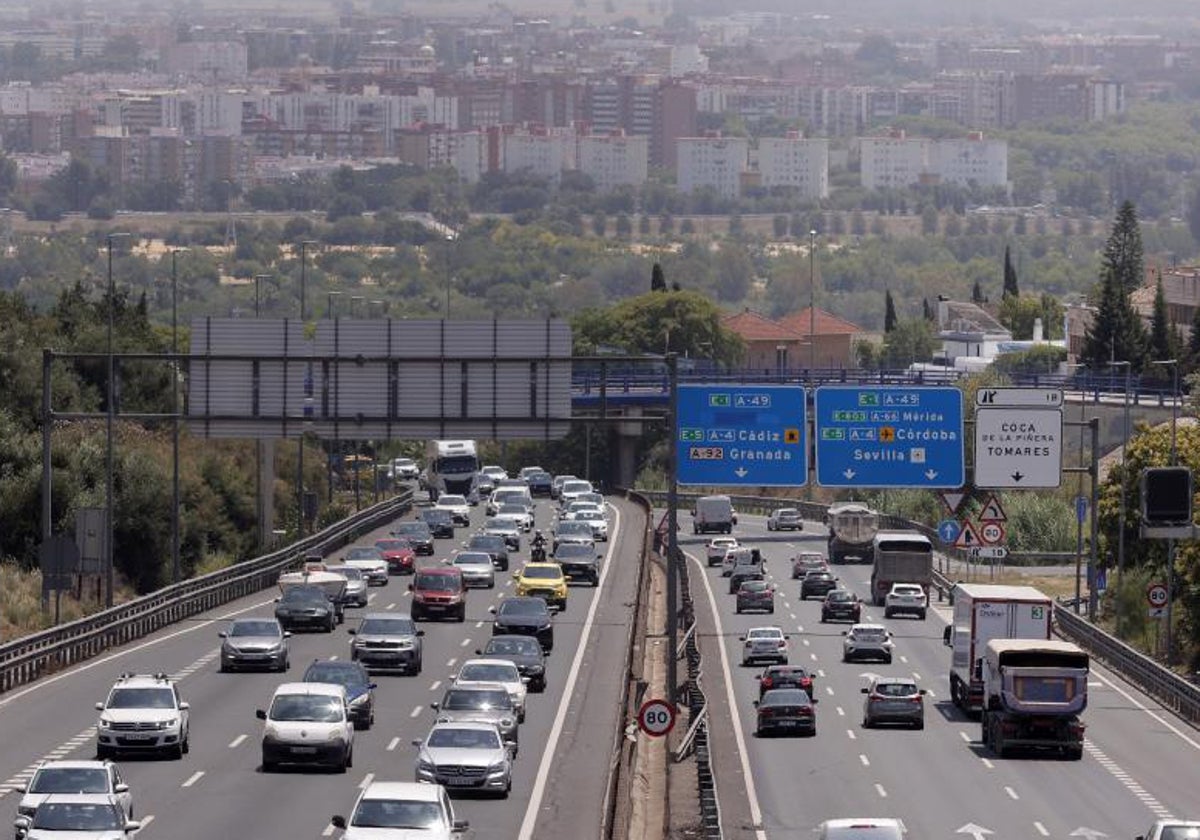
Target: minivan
[(440, 592)]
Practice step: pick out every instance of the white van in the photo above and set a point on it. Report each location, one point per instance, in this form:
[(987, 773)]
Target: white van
[(713, 514), (308, 723)]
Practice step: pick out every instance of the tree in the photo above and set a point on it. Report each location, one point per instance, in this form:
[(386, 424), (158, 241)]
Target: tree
[(1010, 276), (1194, 342), (658, 282), (684, 322), (927, 311), (1123, 251), (889, 312), (977, 294), (599, 223), (1163, 340), (1116, 333), (910, 342)]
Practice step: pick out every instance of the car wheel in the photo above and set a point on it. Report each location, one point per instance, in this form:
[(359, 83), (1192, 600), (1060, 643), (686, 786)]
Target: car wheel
[(222, 668), (349, 760), (330, 625), (268, 766), (919, 725), (921, 615), (186, 746), (417, 668), (887, 661), (771, 611), (102, 753), (866, 723), (739, 610)]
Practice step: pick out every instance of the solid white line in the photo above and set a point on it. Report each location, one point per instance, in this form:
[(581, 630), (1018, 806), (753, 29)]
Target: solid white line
[(743, 755), (964, 736), (879, 789), (1012, 794), (1041, 829), (805, 641), (192, 779), (436, 685), (392, 744), (367, 779), (538, 791), (236, 742), (335, 656)]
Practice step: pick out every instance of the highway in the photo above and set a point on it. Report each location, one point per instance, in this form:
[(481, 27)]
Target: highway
[(1140, 764), (218, 792)]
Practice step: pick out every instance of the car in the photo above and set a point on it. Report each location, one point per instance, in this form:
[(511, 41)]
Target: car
[(817, 585), (862, 828), (465, 756), (506, 527), (579, 562), (593, 498), (254, 643), (74, 777), (518, 512), (557, 483), (79, 816), (356, 585), (387, 641), (841, 605), (418, 535), (524, 616), (542, 580), (457, 506), (893, 700), (440, 522), (352, 676), (595, 518), (476, 671), (307, 723), (143, 714), (784, 676), (306, 606), (484, 485), (409, 810), (476, 567), (494, 545), (481, 702), (508, 496), (785, 710), (526, 472), (405, 469), (755, 595), (573, 489), (522, 651), (808, 561), (494, 472), (717, 548), (399, 555), (764, 644), (439, 591), (539, 483), (744, 574), (369, 560), (785, 519), (742, 556), (1172, 830), (867, 642), (909, 598), (572, 532)]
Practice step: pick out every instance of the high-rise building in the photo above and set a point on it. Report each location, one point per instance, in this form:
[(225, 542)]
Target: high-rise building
[(716, 162), (894, 161), (793, 161), (614, 160)]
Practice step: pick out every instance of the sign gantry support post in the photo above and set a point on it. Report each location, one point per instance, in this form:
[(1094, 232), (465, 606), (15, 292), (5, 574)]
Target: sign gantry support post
[(1093, 593), (672, 541)]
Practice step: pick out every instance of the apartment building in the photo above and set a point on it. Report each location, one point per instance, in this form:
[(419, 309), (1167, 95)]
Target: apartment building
[(895, 161), (614, 160), (716, 162), (794, 161), (973, 160), (544, 153)]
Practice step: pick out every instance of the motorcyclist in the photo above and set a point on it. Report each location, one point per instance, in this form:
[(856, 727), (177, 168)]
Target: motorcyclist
[(538, 544)]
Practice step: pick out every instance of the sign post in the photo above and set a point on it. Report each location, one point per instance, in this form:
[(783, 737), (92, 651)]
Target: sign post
[(1156, 597), (1018, 438)]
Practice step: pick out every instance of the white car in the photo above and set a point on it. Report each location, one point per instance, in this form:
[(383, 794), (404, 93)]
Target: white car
[(405, 469), (764, 644), (74, 777), (572, 490), (403, 811), (1173, 830), (457, 506), (308, 723), (78, 816), (521, 513), (717, 548), (369, 560), (143, 713), (557, 483), (785, 519), (596, 519), (867, 641), (862, 828), (528, 471), (580, 505), (908, 598), (491, 671), (494, 472), (477, 569)]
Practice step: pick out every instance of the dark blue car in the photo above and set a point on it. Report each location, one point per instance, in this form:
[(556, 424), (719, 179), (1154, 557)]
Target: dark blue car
[(360, 691)]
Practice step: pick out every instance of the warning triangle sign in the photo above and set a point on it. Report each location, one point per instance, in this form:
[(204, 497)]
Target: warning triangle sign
[(992, 512), (953, 501), (968, 537)]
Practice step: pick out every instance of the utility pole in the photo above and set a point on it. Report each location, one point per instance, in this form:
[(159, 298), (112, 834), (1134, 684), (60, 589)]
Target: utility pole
[(109, 530), (175, 419), (672, 531)]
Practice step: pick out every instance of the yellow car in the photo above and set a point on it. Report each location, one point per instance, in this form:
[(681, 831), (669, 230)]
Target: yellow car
[(545, 581)]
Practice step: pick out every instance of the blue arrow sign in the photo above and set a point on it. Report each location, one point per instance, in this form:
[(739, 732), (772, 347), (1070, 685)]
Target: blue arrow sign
[(889, 437), (948, 530), (748, 435), (1081, 509)]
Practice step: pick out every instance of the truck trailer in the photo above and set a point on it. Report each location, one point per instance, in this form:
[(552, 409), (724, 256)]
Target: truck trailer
[(1034, 692), (852, 528), (900, 557)]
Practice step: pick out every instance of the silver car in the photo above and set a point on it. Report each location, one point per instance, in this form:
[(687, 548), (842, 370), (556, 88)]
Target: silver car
[(470, 756), (370, 560), (80, 816), (507, 527), (477, 569), (387, 641), (356, 584), (254, 643), (867, 641), (73, 777), (480, 703), (893, 700)]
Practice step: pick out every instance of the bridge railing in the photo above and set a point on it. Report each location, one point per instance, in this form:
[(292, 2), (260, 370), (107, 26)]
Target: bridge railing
[(26, 659)]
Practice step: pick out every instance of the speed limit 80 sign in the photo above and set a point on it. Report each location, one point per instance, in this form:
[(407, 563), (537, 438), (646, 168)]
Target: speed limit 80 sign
[(656, 718)]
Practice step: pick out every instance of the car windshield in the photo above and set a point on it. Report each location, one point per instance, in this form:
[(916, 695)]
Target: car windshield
[(78, 816), (305, 594), (348, 572), (481, 672), (577, 487), (464, 739), (1180, 832), (415, 529), (392, 545), (436, 515), (254, 628), (485, 541), (474, 559), (482, 700), (141, 698), (895, 689), (869, 634), (446, 501), (521, 607), (512, 509), (542, 573), (387, 627), (70, 780), (339, 674), (764, 634), (573, 550), (839, 596), (512, 647), (398, 813), (786, 697), (318, 708), (755, 586), (439, 583), (363, 553), (570, 528)]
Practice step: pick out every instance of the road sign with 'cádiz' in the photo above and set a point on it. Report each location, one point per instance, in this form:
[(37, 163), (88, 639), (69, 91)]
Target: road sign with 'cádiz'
[(889, 437), (729, 435)]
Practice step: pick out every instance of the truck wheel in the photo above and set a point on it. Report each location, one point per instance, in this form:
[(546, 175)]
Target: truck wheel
[(1073, 753)]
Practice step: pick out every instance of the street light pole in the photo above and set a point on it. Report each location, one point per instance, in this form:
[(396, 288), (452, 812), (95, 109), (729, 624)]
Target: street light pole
[(1078, 518), (175, 420), (307, 378), (258, 278), (812, 303), (1174, 363), (1124, 463), (449, 239), (108, 458), (330, 299)]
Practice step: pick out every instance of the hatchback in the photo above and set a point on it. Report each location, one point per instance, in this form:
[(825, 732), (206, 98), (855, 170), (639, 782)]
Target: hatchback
[(785, 519), (817, 584), (784, 676), (841, 605), (756, 595)]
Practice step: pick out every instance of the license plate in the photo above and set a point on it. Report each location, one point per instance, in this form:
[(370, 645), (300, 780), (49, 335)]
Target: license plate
[(137, 737), (455, 781), (788, 723), (304, 750)]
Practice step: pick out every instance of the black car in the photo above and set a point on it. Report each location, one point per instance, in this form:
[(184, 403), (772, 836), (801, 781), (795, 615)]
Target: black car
[(418, 535), (539, 483), (306, 606), (579, 562), (360, 691), (841, 605), (817, 584), (786, 710), (524, 616), (784, 676), (493, 545), (522, 651), (741, 574), (440, 522)]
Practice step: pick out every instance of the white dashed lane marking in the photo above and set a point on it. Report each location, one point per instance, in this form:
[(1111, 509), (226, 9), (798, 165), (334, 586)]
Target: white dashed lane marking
[(866, 762), (392, 744), (1041, 829), (879, 789), (192, 779), (416, 711), (236, 742), (435, 685), (1012, 794)]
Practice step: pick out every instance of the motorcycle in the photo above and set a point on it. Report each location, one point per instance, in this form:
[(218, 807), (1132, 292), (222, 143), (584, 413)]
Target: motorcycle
[(537, 554)]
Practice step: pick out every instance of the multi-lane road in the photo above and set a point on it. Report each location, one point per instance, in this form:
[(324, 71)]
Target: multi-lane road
[(219, 792), (1141, 763)]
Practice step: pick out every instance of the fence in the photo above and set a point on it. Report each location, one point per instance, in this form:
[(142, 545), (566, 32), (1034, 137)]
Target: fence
[(30, 657)]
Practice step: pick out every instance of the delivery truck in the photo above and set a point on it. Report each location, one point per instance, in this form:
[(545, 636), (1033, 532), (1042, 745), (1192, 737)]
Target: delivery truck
[(1034, 692), (900, 557), (983, 612)]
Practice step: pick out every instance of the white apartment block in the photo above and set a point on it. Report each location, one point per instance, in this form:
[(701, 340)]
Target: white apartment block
[(893, 162), (795, 162), (973, 160), (614, 160), (716, 162), (896, 161), (543, 154), (465, 151)]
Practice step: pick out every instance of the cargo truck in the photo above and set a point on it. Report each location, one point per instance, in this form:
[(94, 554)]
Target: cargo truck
[(451, 467), (900, 557), (983, 612), (1034, 692), (852, 528)]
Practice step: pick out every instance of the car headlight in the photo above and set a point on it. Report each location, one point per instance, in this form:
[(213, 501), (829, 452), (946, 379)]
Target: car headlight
[(168, 724), (506, 722), (26, 810), (360, 700), (105, 722), (498, 766), (424, 765), (334, 735), (270, 731)]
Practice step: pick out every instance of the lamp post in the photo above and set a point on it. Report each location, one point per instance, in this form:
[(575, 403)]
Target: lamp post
[(1174, 363), (1124, 458), (258, 278), (448, 240), (307, 379), (108, 430), (1079, 519), (330, 300), (812, 303), (175, 252), (304, 278)]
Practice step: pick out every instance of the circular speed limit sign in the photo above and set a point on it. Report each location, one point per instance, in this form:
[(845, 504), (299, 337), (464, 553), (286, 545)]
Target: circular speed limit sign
[(656, 718), (1156, 595), (992, 533)]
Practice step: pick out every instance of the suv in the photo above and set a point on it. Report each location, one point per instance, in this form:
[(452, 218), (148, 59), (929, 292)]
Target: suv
[(74, 777), (440, 521), (392, 808), (841, 605), (85, 816), (143, 713), (307, 723), (439, 591), (254, 643), (1172, 830), (817, 584), (867, 641), (579, 561), (387, 640), (418, 535), (717, 548), (785, 519), (570, 531), (457, 506), (906, 598)]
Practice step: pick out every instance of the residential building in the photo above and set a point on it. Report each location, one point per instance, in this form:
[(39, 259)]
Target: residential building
[(894, 161), (716, 162), (897, 161), (833, 338), (206, 61), (614, 160), (794, 161), (783, 345), (973, 160), (544, 153)]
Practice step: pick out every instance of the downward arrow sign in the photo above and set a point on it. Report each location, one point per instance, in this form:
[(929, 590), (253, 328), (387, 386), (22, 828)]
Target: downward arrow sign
[(931, 474), (740, 472), (849, 474), (1017, 476), (976, 831), (1089, 833)]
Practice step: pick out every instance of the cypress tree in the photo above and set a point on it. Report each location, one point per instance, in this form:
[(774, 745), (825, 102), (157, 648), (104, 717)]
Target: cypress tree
[(927, 310), (1117, 332), (658, 281), (977, 294), (1123, 250), (889, 312), (1193, 347), (1161, 345), (1010, 276)]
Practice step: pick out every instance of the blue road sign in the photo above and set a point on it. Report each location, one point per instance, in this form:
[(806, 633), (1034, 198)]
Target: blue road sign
[(889, 437), (1081, 509), (948, 530), (741, 435), (1101, 579)]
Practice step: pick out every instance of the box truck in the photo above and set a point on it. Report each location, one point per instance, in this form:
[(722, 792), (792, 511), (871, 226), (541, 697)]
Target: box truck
[(900, 557)]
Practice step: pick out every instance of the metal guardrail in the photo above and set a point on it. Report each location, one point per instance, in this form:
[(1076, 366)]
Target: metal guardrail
[(26, 659)]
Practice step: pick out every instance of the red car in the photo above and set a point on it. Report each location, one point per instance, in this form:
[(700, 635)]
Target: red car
[(399, 554), (439, 591)]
